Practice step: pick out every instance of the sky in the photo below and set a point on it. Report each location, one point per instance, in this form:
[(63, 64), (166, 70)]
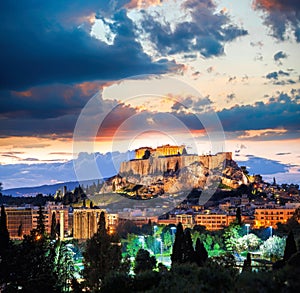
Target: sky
[(110, 76)]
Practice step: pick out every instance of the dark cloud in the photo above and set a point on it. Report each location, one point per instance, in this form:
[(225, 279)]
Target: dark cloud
[(45, 43), (276, 74), (231, 78), (263, 166), (281, 16), (280, 55), (282, 154), (206, 32), (280, 112), (230, 97)]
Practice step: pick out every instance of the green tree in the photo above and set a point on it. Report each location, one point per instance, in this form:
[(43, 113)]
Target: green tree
[(231, 236), (63, 265), (40, 227), (290, 246), (188, 249), (238, 216), (101, 257), (4, 234), (248, 242), (167, 239), (53, 226), (273, 248), (201, 254), (177, 255), (133, 244), (247, 263), (144, 262), (32, 266)]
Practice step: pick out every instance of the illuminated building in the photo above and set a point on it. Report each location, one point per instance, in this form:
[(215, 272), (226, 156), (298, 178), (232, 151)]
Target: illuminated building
[(161, 151), (85, 222), (21, 220), (213, 221), (186, 220), (266, 217)]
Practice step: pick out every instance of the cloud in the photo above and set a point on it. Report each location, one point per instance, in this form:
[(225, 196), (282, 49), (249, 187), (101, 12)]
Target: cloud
[(280, 55), (282, 154), (206, 32), (230, 97), (276, 74), (279, 112), (50, 44), (281, 16), (263, 166)]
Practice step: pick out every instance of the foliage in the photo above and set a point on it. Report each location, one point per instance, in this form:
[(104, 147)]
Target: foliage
[(132, 244), (4, 234), (31, 264), (248, 242), (201, 254), (177, 255), (273, 248), (63, 265), (225, 260), (53, 226), (144, 262), (231, 235), (102, 256), (167, 239), (290, 246), (238, 216)]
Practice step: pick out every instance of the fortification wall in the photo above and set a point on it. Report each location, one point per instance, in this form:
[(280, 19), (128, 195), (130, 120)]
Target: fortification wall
[(154, 166)]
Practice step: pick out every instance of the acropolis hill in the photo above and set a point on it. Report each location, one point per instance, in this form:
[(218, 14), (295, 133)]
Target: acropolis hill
[(168, 158), (169, 169)]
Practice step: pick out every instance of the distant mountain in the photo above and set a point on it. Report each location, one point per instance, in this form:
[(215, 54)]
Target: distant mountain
[(47, 189), (43, 189), (48, 174)]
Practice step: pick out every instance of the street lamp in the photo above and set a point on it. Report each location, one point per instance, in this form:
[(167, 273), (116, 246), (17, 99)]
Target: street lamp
[(173, 230), (271, 230), (142, 240), (161, 249), (247, 227)]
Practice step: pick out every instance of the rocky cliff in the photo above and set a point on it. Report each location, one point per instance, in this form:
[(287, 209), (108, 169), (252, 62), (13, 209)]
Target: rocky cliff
[(147, 178)]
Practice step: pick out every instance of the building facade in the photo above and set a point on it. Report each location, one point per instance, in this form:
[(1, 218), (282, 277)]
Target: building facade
[(266, 217), (85, 222), (161, 151)]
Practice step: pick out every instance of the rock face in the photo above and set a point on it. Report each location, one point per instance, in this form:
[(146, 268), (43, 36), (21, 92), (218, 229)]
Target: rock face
[(147, 178), (160, 165)]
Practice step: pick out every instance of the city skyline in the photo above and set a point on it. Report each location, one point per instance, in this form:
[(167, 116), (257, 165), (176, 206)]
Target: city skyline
[(241, 59)]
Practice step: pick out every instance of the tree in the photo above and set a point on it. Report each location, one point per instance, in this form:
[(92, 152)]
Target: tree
[(178, 246), (188, 250), (144, 262), (247, 263), (290, 246), (4, 234), (53, 227), (238, 216), (40, 227), (32, 266), (167, 238), (273, 248), (64, 265), (201, 254), (132, 244), (248, 242), (231, 236), (102, 256), (20, 230)]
